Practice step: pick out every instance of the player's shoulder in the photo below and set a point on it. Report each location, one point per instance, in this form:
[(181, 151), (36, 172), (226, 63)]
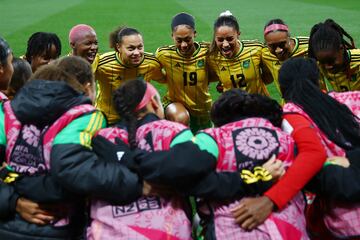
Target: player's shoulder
[(150, 57), (252, 43), (166, 48), (107, 57)]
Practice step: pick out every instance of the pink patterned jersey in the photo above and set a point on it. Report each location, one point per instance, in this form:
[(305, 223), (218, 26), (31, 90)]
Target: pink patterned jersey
[(148, 217), (342, 219), (243, 145), (28, 147), (350, 99)]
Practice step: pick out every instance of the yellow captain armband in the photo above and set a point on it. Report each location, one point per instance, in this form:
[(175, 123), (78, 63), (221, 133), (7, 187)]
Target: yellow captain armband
[(7, 174), (262, 174)]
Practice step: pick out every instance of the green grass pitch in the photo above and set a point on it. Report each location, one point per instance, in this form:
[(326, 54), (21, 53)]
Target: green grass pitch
[(19, 18)]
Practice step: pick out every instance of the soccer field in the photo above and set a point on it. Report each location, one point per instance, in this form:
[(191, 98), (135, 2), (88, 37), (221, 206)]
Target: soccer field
[(19, 18)]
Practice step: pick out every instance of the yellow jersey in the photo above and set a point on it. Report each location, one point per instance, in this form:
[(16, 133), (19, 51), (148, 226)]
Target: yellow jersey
[(187, 78), (111, 73), (242, 70), (272, 64), (348, 80)]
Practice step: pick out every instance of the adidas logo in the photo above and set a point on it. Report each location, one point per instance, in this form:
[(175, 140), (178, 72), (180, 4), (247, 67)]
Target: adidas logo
[(177, 65), (223, 69), (277, 63)]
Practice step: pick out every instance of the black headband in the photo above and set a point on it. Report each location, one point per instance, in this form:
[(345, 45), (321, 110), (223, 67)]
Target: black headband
[(183, 19)]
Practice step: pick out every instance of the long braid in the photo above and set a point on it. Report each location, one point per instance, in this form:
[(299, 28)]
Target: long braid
[(126, 98), (299, 84), (41, 42)]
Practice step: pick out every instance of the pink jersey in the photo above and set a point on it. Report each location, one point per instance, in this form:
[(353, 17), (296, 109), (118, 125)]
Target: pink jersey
[(350, 99), (148, 217), (28, 148), (243, 145), (342, 219)]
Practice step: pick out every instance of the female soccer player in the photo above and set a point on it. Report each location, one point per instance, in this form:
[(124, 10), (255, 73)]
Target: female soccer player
[(279, 46), (236, 63), (6, 67), (83, 42), (127, 62), (312, 118), (42, 47), (53, 167), (242, 141), (339, 60), (187, 77)]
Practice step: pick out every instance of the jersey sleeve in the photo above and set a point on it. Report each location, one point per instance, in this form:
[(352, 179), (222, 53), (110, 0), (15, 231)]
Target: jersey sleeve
[(309, 161), (77, 168)]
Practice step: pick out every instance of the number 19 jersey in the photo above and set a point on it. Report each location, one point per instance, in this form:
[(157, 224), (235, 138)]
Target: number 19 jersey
[(187, 78)]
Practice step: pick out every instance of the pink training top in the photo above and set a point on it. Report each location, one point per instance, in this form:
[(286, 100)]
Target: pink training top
[(149, 218), (29, 152), (243, 145), (342, 219)]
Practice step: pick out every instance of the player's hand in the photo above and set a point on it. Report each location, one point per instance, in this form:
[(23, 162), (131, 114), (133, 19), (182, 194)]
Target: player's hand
[(337, 160), (252, 212), (275, 167), (32, 212)]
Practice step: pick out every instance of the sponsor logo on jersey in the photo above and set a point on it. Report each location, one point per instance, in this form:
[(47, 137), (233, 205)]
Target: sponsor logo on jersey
[(246, 63)]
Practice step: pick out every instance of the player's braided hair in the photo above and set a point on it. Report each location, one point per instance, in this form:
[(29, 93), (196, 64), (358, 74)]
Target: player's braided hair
[(328, 36), (299, 84), (41, 42), (223, 20), (4, 51), (126, 99), (237, 104)]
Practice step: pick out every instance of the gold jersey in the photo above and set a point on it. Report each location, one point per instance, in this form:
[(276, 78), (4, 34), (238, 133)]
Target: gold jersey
[(111, 73), (272, 64), (348, 80), (242, 70), (187, 78)]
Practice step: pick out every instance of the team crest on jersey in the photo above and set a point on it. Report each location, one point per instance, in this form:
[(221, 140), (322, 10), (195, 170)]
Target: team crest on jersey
[(246, 63), (201, 63)]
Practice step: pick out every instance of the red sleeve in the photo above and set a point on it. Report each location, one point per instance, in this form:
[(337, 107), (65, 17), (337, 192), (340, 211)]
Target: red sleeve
[(310, 159)]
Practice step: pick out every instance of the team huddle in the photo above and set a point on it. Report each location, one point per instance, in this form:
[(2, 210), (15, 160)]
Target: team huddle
[(91, 151)]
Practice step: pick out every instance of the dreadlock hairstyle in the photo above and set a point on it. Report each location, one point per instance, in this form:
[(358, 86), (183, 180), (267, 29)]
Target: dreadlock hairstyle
[(5, 51), (329, 36), (225, 19), (41, 42), (126, 98), (299, 84), (236, 104)]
